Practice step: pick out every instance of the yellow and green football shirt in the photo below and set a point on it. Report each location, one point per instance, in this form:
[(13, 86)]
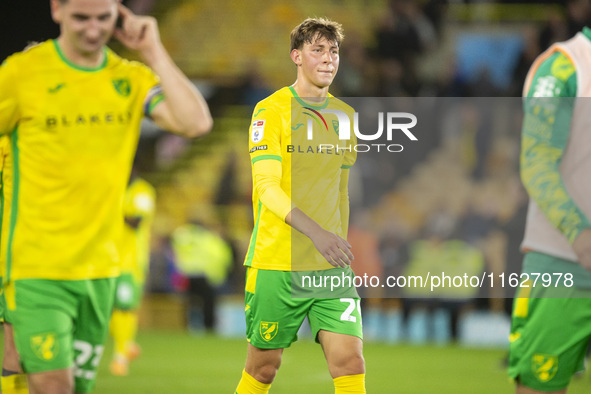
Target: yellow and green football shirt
[(140, 202), (311, 168), (73, 133)]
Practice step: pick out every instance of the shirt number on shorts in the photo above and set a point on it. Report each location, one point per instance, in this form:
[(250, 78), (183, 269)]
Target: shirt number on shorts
[(87, 352), (346, 316)]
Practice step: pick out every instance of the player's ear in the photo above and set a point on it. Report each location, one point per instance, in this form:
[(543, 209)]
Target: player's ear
[(296, 57), (56, 11)]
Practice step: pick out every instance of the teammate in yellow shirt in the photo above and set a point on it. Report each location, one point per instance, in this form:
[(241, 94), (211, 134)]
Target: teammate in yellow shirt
[(300, 181), (139, 205), (72, 109)]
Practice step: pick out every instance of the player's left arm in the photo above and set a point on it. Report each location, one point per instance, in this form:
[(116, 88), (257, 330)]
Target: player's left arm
[(548, 111), (183, 111)]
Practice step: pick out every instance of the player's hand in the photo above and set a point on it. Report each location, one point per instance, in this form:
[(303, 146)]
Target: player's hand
[(138, 32), (582, 248), (333, 248)]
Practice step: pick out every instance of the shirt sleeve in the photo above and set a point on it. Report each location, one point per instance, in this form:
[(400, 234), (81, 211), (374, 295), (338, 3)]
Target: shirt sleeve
[(265, 134), (265, 153), (548, 111), (152, 91), (9, 109), (267, 183)]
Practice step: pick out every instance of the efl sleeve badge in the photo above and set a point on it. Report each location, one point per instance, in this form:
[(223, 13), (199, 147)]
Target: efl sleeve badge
[(258, 131)]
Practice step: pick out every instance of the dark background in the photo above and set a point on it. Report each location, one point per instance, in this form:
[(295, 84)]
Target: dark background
[(22, 22)]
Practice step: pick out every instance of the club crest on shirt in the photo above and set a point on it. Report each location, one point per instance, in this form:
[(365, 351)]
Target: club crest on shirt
[(258, 131), (544, 366), (122, 86), (45, 346), (268, 329)]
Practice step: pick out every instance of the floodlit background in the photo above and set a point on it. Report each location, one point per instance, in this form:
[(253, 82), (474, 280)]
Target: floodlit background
[(459, 197)]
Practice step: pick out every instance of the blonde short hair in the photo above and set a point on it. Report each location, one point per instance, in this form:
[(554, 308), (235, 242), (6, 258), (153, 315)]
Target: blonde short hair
[(314, 28)]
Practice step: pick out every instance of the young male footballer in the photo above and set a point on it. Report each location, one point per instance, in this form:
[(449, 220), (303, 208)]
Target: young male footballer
[(301, 211)]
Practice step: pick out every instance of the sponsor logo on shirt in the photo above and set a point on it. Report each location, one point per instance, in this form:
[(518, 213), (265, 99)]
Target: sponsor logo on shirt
[(322, 148), (547, 86), (258, 131), (256, 148), (107, 118)]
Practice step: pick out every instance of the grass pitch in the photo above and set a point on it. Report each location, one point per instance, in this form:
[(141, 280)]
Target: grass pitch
[(176, 362)]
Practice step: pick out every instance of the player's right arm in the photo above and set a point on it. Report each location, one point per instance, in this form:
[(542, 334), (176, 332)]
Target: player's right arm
[(548, 110), (183, 109), (265, 151), (333, 248)]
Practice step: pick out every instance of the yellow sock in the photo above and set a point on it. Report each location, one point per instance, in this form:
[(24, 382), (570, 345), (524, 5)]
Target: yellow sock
[(132, 322), (350, 384), (14, 384), (123, 329), (249, 385)]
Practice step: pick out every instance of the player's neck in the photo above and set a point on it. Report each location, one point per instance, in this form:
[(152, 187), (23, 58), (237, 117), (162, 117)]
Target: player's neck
[(87, 60), (309, 90)]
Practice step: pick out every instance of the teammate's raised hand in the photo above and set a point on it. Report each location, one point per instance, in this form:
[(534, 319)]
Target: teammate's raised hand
[(138, 32)]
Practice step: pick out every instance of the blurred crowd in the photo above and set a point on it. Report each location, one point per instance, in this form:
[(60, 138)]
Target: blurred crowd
[(457, 188), (476, 161)]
